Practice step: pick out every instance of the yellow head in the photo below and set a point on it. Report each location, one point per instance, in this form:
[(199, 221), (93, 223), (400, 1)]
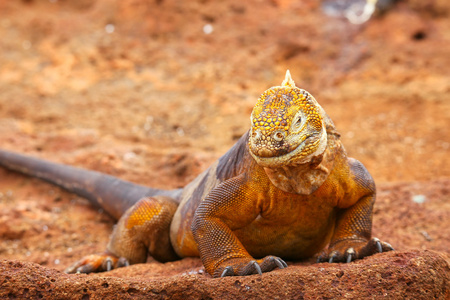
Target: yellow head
[(287, 126)]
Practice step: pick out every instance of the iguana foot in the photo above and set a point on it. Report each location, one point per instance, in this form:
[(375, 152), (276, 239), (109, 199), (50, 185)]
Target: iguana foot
[(349, 250), (246, 266), (97, 263)]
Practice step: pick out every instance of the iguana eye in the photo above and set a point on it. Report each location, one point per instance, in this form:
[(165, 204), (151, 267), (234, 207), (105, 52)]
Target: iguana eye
[(297, 123)]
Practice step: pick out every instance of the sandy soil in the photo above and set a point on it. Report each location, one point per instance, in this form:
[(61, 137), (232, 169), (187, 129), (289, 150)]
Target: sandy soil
[(138, 90)]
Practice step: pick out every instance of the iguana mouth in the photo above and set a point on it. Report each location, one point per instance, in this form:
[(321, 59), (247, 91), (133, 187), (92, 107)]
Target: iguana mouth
[(268, 161), (267, 151), (293, 157)]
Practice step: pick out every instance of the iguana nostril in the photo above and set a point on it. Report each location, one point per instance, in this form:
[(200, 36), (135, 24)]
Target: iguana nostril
[(256, 134), (279, 136)]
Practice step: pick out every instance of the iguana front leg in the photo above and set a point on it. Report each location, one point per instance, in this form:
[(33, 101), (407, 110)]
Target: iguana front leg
[(232, 205), (352, 236)]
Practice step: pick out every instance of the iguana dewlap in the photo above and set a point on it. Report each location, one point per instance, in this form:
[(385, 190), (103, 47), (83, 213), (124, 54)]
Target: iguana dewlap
[(284, 191)]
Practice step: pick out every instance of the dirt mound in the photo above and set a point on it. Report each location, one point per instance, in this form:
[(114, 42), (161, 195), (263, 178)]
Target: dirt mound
[(397, 275)]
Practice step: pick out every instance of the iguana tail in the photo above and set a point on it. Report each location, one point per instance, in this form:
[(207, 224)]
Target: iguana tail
[(112, 194)]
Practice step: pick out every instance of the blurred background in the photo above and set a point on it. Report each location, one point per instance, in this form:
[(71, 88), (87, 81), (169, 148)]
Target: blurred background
[(175, 81), (155, 91)]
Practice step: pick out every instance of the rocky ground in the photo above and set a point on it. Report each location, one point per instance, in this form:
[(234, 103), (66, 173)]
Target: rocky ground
[(155, 91)]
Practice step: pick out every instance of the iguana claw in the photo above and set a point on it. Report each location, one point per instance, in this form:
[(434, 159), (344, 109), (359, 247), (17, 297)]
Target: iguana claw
[(257, 267), (123, 262), (379, 247), (281, 264), (108, 264), (349, 259), (350, 253), (350, 250), (228, 271), (97, 263), (243, 266), (332, 257)]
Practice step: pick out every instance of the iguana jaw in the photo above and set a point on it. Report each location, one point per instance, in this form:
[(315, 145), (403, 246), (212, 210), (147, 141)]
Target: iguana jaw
[(297, 156)]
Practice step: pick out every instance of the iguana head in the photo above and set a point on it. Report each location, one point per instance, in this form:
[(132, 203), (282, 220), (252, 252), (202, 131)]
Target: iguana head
[(288, 127)]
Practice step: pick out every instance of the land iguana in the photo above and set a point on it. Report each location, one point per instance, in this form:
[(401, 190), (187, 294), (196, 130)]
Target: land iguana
[(284, 191)]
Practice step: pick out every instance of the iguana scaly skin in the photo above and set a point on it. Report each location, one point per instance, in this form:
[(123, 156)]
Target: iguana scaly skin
[(284, 191)]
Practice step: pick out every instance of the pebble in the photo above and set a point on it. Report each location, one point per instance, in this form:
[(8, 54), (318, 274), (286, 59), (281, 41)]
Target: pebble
[(419, 198)]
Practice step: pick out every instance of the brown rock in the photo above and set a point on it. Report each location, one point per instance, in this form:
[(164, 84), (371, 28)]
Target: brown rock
[(394, 275)]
